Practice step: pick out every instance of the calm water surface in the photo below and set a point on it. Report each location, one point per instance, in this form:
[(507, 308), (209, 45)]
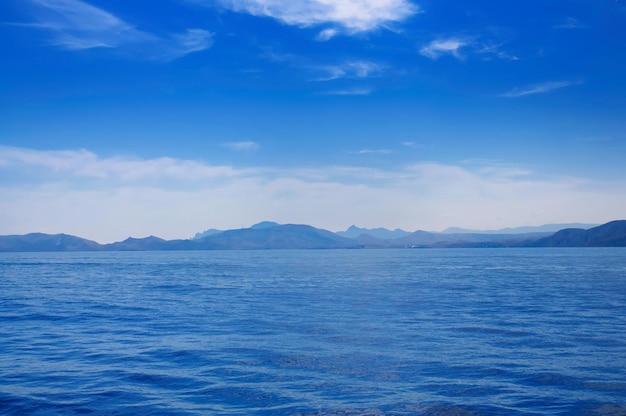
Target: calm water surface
[(330, 332)]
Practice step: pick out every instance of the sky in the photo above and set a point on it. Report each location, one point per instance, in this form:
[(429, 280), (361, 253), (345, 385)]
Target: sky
[(170, 117)]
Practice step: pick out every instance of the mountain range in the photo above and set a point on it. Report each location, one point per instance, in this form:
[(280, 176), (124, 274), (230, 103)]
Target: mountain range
[(546, 228), (271, 235)]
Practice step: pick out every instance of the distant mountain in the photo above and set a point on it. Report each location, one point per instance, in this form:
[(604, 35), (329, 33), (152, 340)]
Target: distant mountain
[(132, 244), (269, 235), (150, 244), (427, 239), (546, 228), (206, 233), (213, 231), (46, 242), (367, 241), (278, 237), (421, 239), (264, 224), (382, 233), (612, 234)]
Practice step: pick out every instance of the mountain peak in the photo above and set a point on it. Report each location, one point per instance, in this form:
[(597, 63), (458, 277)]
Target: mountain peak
[(264, 224), (384, 234)]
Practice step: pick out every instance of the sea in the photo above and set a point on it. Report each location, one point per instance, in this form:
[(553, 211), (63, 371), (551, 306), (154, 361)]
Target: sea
[(454, 332)]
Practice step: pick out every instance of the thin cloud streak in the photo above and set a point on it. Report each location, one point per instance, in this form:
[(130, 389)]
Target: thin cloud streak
[(246, 146), (489, 51), (375, 151), (350, 91), (541, 88), (70, 164), (350, 69), (193, 40), (460, 47), (323, 72), (569, 23), (75, 25)]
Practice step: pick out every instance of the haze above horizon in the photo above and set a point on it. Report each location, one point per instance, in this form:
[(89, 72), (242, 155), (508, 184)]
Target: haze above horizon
[(119, 119)]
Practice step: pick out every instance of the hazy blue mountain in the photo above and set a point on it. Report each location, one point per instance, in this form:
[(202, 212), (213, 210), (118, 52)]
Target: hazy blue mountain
[(46, 242), (279, 237), (546, 228), (264, 224), (382, 233), (149, 244), (420, 238), (213, 231), (268, 235), (367, 241), (428, 239), (206, 233), (612, 234)]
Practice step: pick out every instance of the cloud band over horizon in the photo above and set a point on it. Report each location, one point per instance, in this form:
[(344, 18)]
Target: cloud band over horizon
[(109, 199)]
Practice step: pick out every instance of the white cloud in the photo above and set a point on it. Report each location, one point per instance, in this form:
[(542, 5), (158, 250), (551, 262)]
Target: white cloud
[(440, 47), (491, 50), (350, 69), (327, 34), (321, 72), (461, 46), (495, 167), (351, 91), (193, 40), (73, 164), (242, 146), (108, 199), (352, 16), (375, 151), (76, 25), (540, 88)]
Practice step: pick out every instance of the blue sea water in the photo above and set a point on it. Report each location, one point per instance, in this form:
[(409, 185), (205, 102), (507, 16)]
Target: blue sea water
[(321, 332)]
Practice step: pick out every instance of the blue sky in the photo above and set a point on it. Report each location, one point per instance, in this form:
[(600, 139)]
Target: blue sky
[(173, 116)]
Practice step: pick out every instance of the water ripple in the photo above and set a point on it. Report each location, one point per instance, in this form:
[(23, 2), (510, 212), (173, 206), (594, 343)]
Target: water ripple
[(372, 332)]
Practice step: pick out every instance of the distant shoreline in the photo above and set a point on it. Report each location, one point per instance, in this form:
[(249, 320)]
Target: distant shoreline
[(271, 236)]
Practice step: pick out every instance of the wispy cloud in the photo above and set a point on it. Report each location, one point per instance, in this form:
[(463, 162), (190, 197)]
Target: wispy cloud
[(540, 88), (569, 23), (491, 50), (352, 69), (349, 69), (110, 198), (375, 151), (246, 146), (440, 47), (350, 91), (350, 16), (460, 47), (77, 25), (193, 40), (327, 34), (496, 167), (85, 164)]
